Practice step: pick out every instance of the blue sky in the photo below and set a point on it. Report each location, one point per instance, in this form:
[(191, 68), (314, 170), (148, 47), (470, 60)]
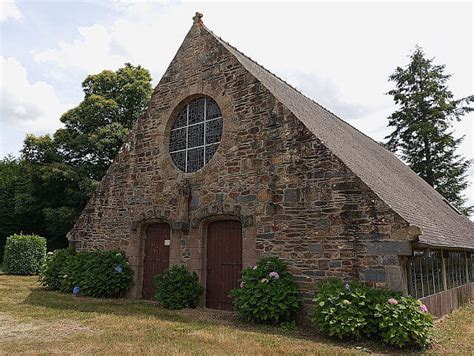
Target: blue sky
[(338, 53)]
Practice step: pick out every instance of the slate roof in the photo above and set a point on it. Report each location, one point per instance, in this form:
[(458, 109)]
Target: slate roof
[(387, 176)]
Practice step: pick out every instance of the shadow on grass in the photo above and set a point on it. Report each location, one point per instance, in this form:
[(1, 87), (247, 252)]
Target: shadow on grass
[(121, 307), (198, 318)]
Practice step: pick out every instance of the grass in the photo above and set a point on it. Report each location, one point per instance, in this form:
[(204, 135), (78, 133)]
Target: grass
[(36, 321)]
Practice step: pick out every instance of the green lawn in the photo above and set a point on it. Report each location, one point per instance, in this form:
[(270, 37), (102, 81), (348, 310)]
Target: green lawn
[(33, 320)]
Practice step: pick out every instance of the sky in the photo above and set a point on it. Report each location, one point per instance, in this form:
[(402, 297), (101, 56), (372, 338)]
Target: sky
[(338, 53)]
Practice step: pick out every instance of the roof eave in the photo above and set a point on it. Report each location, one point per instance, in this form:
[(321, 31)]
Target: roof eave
[(426, 244)]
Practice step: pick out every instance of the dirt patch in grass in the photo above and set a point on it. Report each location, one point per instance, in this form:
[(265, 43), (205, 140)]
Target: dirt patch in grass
[(12, 329)]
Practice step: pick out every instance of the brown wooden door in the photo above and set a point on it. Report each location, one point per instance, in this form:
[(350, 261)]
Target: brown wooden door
[(157, 256), (224, 262)]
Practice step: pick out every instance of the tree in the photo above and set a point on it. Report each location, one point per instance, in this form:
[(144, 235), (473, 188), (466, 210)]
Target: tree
[(422, 127), (56, 191), (95, 130), (10, 178), (45, 190)]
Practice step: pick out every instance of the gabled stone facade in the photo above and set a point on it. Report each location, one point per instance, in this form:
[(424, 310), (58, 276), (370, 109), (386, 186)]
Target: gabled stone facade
[(294, 198)]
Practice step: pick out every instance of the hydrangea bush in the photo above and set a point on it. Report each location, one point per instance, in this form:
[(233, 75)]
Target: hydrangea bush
[(51, 275), (341, 309), (24, 254), (177, 288), (101, 274), (267, 293), (404, 322), (354, 310)]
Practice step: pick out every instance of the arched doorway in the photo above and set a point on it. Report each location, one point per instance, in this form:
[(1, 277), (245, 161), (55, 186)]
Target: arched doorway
[(224, 262), (157, 256)]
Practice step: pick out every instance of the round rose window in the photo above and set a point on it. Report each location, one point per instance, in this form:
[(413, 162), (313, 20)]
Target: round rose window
[(195, 134)]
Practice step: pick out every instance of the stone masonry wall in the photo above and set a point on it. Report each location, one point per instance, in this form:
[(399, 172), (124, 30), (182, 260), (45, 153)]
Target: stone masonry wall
[(295, 199)]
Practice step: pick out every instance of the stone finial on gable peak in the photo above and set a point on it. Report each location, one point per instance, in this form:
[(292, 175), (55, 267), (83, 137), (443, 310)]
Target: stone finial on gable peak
[(198, 18)]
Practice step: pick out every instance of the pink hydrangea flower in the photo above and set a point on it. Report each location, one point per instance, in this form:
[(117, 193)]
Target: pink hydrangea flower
[(392, 301), (264, 280), (423, 308), (242, 284), (274, 275)]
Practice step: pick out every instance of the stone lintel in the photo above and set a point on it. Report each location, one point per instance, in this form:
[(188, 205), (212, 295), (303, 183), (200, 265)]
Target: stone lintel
[(399, 248), (374, 275)]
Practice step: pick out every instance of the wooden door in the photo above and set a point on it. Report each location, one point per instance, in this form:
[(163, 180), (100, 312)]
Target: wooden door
[(224, 262), (157, 256)]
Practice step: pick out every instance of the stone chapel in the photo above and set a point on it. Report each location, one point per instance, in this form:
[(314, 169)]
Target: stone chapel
[(230, 163)]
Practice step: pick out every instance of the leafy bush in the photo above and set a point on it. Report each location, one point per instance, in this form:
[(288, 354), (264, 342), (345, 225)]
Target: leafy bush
[(51, 274), (340, 311), (375, 297), (345, 309), (24, 254), (268, 293), (177, 288), (74, 270), (404, 322), (354, 310), (101, 274)]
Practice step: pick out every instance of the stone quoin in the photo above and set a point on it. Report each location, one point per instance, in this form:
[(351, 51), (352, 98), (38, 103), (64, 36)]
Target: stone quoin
[(290, 178)]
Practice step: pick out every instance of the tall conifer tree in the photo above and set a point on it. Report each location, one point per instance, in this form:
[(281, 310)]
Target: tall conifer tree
[(423, 135)]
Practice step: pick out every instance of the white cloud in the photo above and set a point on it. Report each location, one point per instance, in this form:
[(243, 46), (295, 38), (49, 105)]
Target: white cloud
[(140, 36), (31, 107), (137, 8), (327, 93), (9, 10), (91, 52)]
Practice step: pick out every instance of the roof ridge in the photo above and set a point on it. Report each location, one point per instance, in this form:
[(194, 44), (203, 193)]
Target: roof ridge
[(292, 87)]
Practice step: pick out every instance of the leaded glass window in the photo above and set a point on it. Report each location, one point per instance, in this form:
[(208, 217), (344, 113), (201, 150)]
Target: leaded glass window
[(425, 273), (456, 265), (196, 134), (470, 265)]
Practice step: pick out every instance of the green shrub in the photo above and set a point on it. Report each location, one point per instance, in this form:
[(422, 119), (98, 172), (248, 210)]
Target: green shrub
[(177, 288), (24, 254), (354, 310), (73, 273), (100, 274), (268, 293), (51, 275), (339, 311), (345, 310), (404, 322), (375, 297)]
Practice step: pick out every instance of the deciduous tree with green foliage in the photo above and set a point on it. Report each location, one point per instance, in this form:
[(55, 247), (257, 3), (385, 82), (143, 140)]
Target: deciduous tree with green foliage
[(95, 130), (422, 127), (47, 187)]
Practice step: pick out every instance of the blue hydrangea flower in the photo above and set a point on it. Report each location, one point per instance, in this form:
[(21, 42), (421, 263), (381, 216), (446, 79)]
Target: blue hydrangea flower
[(76, 290), (118, 269)]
